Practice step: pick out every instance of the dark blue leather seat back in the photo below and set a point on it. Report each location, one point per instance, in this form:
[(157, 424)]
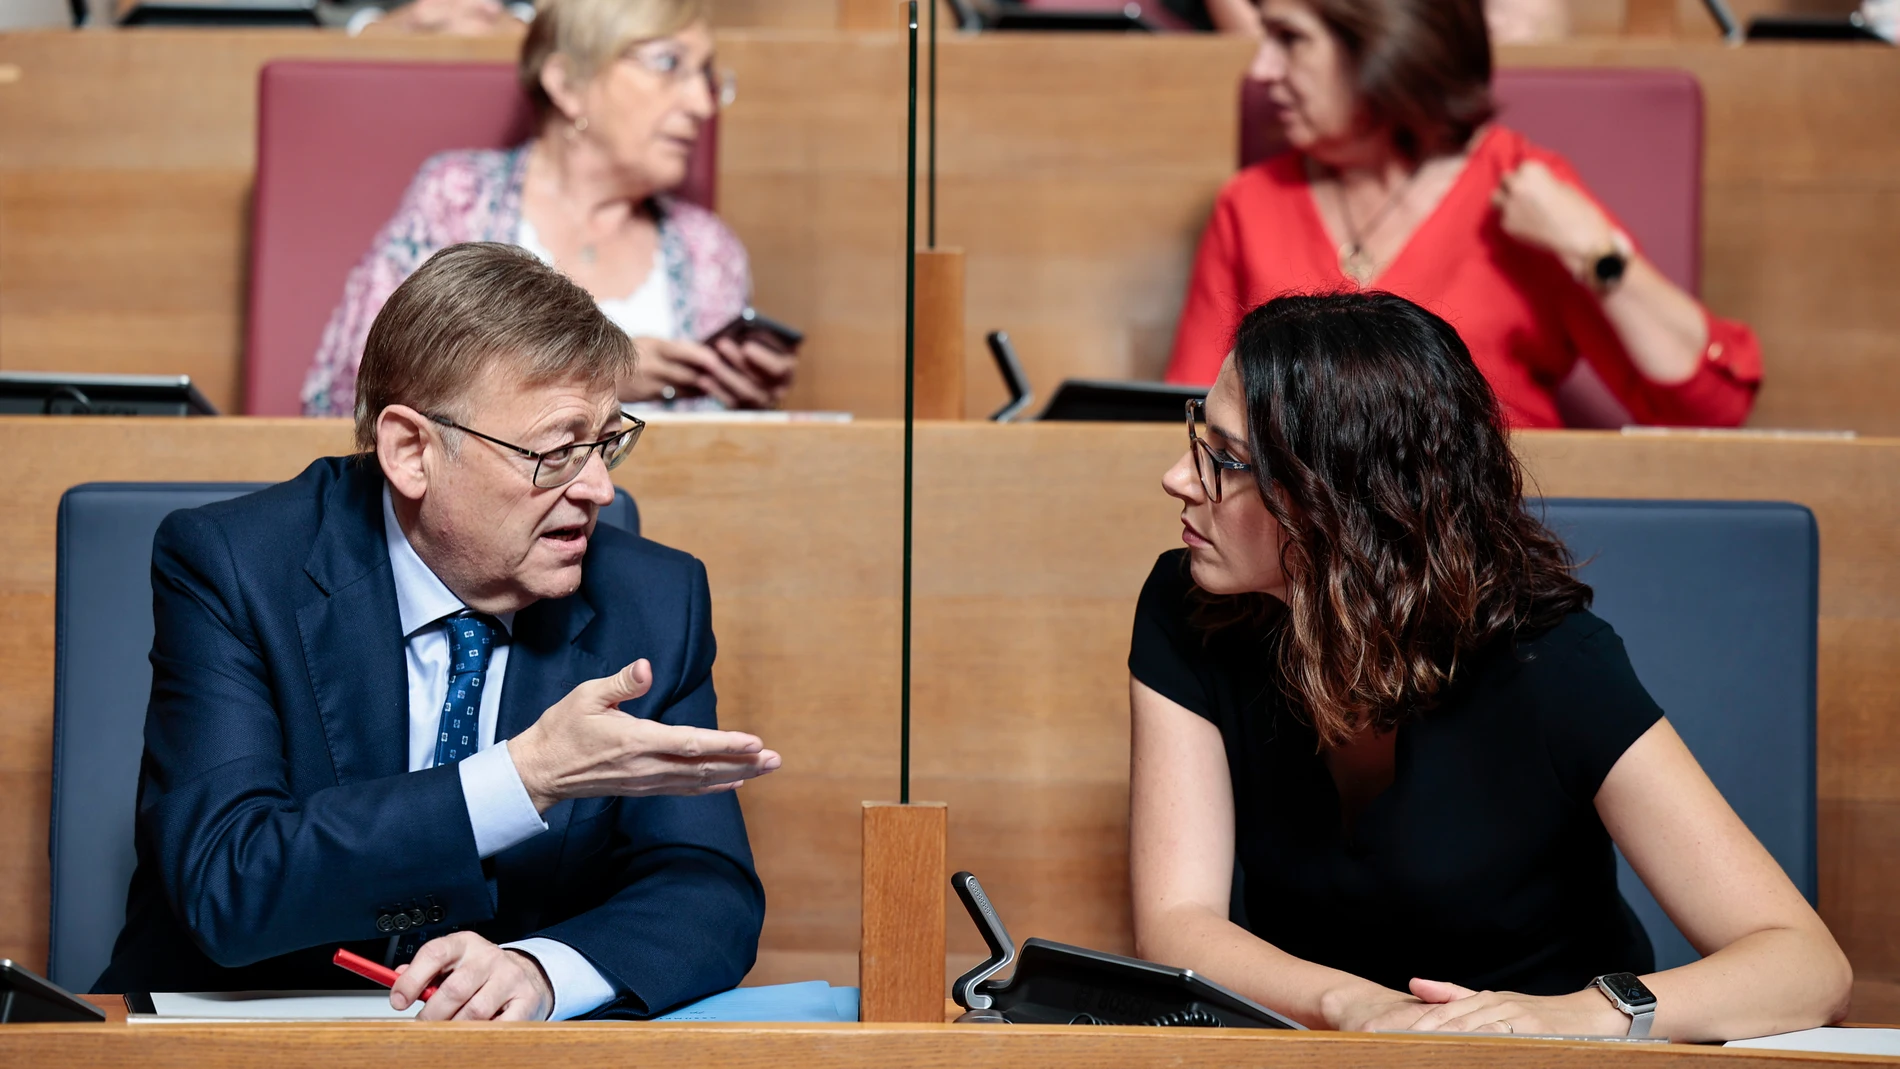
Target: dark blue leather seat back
[(102, 681), (1717, 602)]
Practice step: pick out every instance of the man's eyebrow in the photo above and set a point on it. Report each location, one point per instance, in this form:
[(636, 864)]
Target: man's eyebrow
[(572, 426), (578, 428)]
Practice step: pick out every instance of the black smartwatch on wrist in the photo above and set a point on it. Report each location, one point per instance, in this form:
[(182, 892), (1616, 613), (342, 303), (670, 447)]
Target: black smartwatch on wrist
[(1606, 271), (1628, 994)]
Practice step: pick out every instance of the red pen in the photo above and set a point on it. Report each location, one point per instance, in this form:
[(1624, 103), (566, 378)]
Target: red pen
[(362, 966)]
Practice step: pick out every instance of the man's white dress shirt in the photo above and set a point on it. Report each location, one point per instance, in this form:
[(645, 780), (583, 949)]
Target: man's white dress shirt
[(498, 805)]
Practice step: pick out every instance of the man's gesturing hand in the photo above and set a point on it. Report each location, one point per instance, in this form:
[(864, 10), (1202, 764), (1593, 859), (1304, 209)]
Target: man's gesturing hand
[(481, 982), (585, 747)]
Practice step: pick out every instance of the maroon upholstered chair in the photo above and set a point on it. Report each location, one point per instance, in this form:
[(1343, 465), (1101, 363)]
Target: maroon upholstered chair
[(337, 143), (1635, 138)]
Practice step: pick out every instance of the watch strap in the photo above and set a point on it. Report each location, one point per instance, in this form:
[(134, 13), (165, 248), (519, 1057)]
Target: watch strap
[(1640, 1021), (1641, 1017)]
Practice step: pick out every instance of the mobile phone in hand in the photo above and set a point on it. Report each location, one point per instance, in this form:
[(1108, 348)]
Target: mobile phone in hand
[(751, 325)]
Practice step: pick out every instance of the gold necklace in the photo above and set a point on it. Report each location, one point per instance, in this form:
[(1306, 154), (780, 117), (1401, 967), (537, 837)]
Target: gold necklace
[(1353, 258)]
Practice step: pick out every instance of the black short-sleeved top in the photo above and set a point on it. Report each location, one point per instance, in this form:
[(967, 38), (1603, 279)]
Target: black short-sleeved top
[(1484, 863)]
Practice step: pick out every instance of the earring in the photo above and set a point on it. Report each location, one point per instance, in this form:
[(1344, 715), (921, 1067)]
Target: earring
[(580, 125)]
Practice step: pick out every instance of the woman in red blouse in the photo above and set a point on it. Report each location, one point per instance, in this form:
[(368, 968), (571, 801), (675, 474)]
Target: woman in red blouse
[(1397, 181)]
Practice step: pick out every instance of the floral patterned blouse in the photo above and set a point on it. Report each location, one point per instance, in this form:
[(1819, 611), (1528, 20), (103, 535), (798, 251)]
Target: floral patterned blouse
[(475, 195)]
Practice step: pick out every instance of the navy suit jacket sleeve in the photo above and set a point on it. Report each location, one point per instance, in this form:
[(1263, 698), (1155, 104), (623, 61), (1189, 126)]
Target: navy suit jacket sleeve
[(684, 921), (252, 868)]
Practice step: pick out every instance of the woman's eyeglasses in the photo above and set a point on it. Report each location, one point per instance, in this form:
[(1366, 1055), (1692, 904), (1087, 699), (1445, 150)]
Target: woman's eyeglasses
[(1209, 462), (559, 466), (668, 63)]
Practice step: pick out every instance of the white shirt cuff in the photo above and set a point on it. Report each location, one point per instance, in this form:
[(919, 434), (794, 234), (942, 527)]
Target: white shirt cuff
[(499, 808), (578, 986)]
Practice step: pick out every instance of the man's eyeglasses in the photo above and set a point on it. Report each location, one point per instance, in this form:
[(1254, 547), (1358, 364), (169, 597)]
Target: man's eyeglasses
[(1208, 461), (559, 466)]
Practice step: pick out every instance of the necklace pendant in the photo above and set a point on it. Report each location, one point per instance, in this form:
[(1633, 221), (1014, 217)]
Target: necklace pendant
[(1355, 263)]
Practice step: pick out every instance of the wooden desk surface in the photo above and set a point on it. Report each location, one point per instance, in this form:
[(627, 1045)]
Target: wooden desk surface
[(1032, 542), (1077, 172), (618, 1045)]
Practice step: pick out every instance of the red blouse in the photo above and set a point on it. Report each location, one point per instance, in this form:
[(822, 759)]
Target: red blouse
[(1525, 319)]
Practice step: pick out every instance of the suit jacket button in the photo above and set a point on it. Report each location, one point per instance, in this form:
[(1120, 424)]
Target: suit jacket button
[(401, 921), (436, 913), (385, 923), (418, 917)]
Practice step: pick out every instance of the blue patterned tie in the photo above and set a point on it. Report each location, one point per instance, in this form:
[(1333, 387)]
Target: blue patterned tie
[(471, 639)]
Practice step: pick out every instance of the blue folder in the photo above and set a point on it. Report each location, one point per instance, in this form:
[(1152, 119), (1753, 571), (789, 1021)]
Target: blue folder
[(812, 1000)]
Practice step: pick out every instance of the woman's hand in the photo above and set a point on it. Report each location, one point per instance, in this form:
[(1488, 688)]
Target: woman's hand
[(670, 368), (1460, 1009), (766, 366), (1545, 212), (1367, 1007)]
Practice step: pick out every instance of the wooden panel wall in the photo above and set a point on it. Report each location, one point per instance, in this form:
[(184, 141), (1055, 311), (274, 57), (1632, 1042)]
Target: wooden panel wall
[(1587, 17), (1076, 172), (1081, 246), (1032, 543), (1684, 18), (776, 14), (125, 177), (1692, 19)]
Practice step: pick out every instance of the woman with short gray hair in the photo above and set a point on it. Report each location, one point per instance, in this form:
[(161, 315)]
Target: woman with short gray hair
[(622, 91)]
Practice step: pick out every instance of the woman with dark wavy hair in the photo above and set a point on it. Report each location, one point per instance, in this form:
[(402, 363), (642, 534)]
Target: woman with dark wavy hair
[(1372, 689)]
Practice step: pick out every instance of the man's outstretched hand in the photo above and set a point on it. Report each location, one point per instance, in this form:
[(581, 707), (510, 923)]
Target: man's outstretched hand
[(585, 747)]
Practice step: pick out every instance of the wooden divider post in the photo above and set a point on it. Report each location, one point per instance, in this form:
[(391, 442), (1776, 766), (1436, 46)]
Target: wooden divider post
[(900, 943), (939, 333), (900, 951)]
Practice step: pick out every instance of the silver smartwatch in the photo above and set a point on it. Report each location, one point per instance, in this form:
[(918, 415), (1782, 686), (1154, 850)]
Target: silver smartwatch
[(1628, 994)]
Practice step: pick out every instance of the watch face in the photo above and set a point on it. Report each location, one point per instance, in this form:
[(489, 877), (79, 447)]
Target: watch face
[(1627, 988)]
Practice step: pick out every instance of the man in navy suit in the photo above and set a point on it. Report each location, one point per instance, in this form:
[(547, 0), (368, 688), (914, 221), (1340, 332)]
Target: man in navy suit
[(390, 698)]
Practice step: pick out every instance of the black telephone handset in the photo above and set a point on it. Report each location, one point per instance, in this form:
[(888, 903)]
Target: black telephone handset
[(969, 990), (1014, 380), (1055, 983)]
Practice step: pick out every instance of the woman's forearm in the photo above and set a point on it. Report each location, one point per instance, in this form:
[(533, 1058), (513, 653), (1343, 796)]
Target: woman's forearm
[(1773, 981), (1664, 330), (1314, 995)]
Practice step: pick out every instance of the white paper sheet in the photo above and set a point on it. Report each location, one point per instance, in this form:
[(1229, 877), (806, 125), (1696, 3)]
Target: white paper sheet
[(1829, 1041), (200, 1007)]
